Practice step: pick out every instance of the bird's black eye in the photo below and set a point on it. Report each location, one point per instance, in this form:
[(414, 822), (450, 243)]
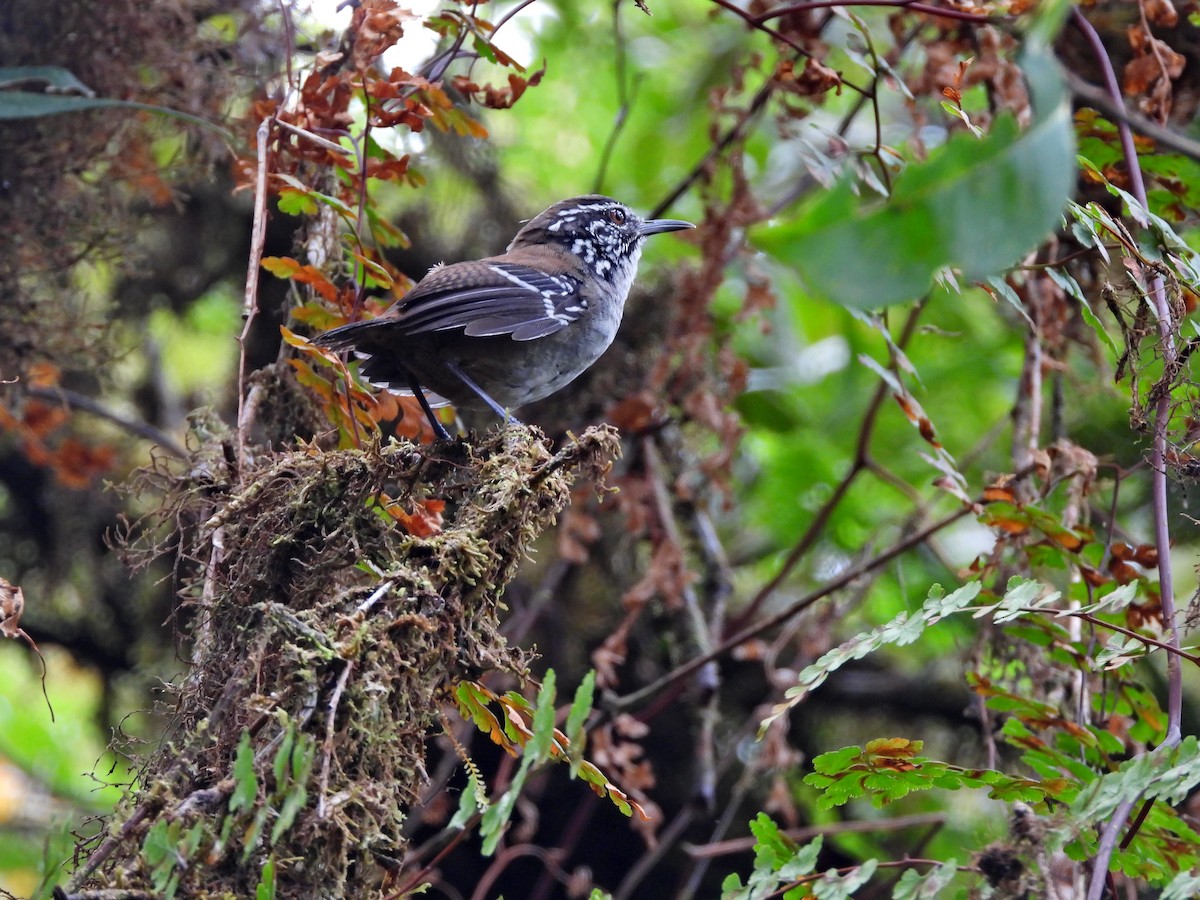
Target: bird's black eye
[(616, 216)]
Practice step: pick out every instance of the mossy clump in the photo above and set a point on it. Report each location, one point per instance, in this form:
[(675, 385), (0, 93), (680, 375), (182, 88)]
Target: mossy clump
[(320, 621)]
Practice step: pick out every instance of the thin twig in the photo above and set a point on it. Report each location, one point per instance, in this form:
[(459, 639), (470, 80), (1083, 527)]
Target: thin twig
[(720, 146), (366, 605), (315, 138), (1158, 476), (619, 704), (750, 20), (548, 590), (666, 520), (327, 750), (457, 837), (744, 844), (574, 832), (909, 5), (289, 34), (708, 679), (258, 238), (873, 98), (625, 97), (1100, 99), (512, 12), (548, 858), (861, 462), (731, 809), (79, 401), (1112, 626), (666, 841)]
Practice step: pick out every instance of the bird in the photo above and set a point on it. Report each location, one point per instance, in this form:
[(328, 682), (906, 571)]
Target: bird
[(509, 329)]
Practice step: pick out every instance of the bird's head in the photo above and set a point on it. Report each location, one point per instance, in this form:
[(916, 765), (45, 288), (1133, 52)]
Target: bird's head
[(605, 234)]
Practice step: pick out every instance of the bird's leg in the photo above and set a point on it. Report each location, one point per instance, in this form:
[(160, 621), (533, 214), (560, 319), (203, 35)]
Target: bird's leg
[(482, 394), (438, 428)]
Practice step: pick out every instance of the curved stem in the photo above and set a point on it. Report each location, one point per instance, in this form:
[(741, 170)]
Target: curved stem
[(1162, 531)]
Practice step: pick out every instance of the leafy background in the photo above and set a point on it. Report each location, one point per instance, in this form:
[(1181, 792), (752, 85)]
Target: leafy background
[(957, 388)]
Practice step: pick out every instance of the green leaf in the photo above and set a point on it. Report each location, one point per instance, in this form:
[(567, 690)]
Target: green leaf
[(978, 206), (915, 886), (296, 203), (159, 844), (336, 204), (58, 79), (996, 286), (771, 848), (1165, 773), (468, 805), (160, 849), (581, 707), (292, 804), (245, 787), (35, 104), (1048, 20), (195, 837), (778, 860), (495, 817), (1021, 594), (57, 852), (265, 889), (538, 748), (303, 758), (254, 832), (1071, 287), (279, 766), (836, 760), (903, 629), (833, 886)]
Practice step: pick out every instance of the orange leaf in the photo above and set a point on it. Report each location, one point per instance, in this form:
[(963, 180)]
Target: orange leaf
[(12, 605), (424, 521), (76, 464), (289, 269), (43, 374)]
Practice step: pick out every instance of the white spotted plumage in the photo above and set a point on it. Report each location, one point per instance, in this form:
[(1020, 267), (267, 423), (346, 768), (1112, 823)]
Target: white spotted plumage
[(513, 328)]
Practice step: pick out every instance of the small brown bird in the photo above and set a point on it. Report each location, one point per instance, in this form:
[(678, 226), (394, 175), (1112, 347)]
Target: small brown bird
[(509, 329)]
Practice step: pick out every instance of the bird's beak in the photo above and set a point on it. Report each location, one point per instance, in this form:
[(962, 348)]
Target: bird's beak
[(658, 226)]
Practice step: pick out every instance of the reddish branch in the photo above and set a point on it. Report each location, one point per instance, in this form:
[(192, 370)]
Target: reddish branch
[(1162, 531)]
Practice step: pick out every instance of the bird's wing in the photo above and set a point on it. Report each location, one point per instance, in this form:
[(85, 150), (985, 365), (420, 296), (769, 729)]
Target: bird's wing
[(489, 298)]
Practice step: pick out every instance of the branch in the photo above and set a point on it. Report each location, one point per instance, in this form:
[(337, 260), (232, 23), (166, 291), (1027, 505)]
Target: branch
[(1162, 531), (626, 92), (910, 5), (1119, 112), (719, 147), (258, 238), (799, 835), (1193, 658), (620, 704), (753, 22), (79, 401), (862, 461)]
